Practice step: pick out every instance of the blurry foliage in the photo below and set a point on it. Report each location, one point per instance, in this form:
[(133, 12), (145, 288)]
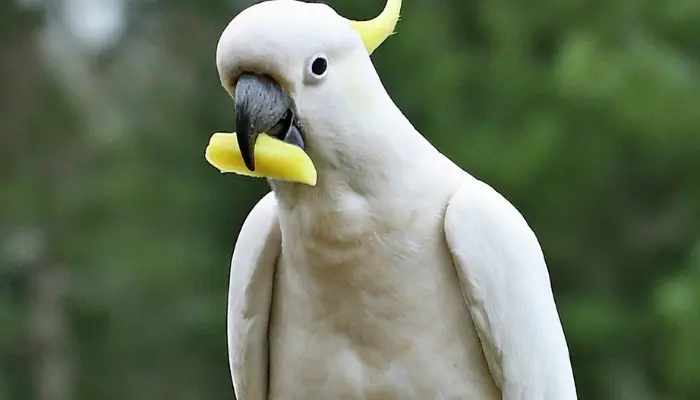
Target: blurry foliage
[(585, 114)]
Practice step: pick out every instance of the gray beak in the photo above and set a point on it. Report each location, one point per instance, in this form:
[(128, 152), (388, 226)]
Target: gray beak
[(262, 106)]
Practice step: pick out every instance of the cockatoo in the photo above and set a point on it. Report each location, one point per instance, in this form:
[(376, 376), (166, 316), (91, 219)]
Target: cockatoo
[(376, 268)]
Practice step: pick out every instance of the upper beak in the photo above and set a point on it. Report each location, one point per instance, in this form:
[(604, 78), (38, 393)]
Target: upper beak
[(269, 141), (260, 105)]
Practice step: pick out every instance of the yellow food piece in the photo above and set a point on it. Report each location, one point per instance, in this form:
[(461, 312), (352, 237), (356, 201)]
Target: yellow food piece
[(273, 159)]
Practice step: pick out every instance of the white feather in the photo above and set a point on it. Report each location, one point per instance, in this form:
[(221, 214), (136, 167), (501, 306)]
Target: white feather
[(349, 289), (249, 299), (506, 285)]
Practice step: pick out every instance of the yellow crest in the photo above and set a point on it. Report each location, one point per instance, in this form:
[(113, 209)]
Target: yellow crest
[(375, 31)]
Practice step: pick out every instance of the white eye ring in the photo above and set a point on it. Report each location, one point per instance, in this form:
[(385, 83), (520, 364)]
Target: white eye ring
[(317, 68)]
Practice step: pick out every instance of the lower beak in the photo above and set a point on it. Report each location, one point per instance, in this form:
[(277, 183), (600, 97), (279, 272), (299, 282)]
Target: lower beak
[(269, 142)]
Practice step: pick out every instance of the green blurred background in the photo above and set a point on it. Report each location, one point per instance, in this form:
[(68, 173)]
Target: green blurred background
[(116, 235)]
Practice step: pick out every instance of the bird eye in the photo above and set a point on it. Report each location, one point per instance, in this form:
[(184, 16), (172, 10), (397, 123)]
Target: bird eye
[(317, 68)]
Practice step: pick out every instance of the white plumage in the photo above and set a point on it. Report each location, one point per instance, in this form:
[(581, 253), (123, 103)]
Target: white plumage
[(398, 275)]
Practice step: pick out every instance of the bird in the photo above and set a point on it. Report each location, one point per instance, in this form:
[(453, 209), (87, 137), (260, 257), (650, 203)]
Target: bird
[(375, 267)]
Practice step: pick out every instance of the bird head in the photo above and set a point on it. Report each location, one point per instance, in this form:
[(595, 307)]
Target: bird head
[(301, 79)]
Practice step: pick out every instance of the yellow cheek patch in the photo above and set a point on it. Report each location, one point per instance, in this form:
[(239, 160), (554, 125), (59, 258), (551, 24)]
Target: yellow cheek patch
[(273, 159)]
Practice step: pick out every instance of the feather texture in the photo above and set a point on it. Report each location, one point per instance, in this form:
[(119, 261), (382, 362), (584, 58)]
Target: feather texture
[(506, 285)]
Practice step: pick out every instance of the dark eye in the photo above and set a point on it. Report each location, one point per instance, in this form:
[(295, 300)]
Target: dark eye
[(319, 66), (316, 69)]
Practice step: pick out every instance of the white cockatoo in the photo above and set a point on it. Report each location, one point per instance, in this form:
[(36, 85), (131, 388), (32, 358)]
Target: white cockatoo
[(376, 268)]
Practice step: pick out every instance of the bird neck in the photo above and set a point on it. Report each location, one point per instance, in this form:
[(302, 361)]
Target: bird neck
[(375, 154)]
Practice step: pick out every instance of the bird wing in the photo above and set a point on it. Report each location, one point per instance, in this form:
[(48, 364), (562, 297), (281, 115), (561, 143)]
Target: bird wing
[(506, 286), (250, 294)]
